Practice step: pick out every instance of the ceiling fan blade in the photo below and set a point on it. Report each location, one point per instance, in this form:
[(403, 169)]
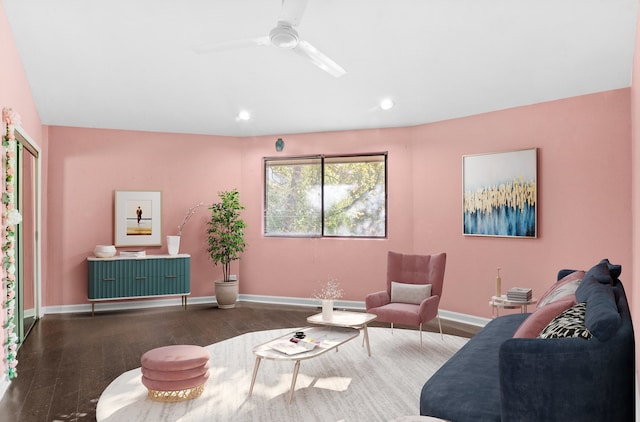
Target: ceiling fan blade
[(292, 11), (231, 45), (318, 58)]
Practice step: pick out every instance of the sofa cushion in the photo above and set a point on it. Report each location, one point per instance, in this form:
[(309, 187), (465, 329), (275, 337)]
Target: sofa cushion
[(602, 317), (409, 293), (600, 272), (570, 323), (566, 286), (614, 269), (467, 386), (533, 325)]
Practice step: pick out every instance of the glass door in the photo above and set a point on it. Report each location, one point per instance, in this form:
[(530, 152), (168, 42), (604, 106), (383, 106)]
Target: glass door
[(27, 259)]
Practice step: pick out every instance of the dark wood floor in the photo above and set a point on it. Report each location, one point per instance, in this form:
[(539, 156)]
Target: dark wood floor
[(68, 360)]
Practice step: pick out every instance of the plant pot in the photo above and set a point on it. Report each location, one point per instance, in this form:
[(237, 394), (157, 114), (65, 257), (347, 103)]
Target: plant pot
[(173, 244), (226, 293)]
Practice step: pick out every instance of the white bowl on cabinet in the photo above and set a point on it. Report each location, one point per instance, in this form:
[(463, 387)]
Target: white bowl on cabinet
[(105, 251)]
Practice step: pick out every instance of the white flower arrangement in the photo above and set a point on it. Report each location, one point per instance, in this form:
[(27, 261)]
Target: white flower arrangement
[(329, 291)]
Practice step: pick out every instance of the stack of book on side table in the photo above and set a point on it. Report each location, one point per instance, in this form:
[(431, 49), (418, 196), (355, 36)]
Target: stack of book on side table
[(519, 294)]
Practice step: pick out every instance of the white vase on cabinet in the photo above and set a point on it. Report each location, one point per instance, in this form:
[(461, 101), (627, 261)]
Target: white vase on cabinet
[(173, 244)]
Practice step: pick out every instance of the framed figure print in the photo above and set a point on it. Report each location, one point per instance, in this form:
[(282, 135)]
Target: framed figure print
[(500, 194), (138, 218)]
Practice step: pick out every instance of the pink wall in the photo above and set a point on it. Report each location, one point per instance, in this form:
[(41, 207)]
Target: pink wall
[(88, 165), (295, 267), (584, 187), (584, 200)]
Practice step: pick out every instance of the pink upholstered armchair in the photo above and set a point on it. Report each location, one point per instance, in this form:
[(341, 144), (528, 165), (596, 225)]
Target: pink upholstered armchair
[(408, 300)]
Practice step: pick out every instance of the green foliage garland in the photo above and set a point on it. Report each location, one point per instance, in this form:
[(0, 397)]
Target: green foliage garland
[(10, 217)]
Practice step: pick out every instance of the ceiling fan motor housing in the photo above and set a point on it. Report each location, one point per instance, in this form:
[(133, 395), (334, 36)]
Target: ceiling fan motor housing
[(284, 36)]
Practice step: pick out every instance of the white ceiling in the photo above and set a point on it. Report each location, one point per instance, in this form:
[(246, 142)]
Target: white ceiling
[(130, 64)]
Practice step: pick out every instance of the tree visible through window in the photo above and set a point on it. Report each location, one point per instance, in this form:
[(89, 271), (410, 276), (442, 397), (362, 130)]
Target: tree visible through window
[(326, 196)]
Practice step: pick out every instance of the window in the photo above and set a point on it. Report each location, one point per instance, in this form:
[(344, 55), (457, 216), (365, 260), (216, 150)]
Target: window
[(331, 196)]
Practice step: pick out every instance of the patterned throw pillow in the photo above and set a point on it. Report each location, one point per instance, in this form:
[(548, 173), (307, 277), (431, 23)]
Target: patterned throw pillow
[(537, 321), (570, 323)]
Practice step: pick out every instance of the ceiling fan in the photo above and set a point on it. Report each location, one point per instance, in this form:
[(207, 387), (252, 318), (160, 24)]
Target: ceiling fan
[(283, 36)]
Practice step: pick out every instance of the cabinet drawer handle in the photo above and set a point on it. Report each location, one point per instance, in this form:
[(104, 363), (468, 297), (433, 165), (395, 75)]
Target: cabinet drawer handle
[(108, 279), (141, 277), (170, 276)]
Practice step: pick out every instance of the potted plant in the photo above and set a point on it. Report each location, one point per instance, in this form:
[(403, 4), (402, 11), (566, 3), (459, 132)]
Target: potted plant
[(226, 243)]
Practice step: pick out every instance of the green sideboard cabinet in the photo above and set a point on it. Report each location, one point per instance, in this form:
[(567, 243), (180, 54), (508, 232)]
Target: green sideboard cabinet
[(131, 278)]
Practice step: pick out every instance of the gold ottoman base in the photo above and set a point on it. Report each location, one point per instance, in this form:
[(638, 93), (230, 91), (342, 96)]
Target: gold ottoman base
[(175, 396)]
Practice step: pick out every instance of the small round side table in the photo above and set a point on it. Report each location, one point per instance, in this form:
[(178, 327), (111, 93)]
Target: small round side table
[(501, 302)]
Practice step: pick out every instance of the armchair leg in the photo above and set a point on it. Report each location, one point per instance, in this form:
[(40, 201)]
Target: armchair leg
[(420, 336), (392, 328), (440, 326)]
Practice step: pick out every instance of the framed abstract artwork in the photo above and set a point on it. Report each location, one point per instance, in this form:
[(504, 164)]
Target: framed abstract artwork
[(138, 218), (500, 194)]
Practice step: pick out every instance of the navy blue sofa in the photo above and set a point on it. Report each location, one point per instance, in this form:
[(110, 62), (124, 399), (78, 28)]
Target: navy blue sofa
[(496, 377)]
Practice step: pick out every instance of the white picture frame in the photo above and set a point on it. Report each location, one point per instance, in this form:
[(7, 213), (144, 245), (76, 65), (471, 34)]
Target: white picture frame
[(138, 218)]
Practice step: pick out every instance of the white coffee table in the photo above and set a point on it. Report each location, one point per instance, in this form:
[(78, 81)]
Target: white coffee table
[(358, 320), (327, 338)]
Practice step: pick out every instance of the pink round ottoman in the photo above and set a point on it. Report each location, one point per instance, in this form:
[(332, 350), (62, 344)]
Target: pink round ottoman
[(175, 373)]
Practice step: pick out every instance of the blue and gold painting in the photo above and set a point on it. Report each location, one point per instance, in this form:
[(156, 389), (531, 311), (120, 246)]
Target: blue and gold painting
[(500, 194)]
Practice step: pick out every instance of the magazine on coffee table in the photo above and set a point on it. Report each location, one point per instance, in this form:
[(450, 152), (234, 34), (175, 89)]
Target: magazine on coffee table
[(290, 348)]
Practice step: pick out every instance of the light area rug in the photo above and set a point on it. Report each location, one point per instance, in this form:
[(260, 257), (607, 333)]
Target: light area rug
[(343, 385)]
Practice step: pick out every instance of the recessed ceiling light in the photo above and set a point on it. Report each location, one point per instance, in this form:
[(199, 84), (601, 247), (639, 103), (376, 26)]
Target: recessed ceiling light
[(244, 115), (386, 104)]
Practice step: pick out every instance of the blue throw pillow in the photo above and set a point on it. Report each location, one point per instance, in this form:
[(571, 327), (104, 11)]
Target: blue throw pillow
[(614, 269), (600, 272), (602, 318)]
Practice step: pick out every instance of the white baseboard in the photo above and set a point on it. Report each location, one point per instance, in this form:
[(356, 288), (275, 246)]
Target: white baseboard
[(298, 301), (272, 300), (156, 303), (357, 306), (123, 305), (467, 319)]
